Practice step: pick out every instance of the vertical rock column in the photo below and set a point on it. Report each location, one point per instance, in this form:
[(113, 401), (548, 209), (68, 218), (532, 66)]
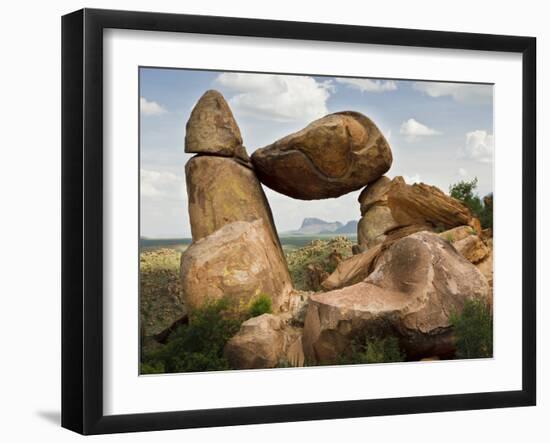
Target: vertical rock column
[(223, 189)]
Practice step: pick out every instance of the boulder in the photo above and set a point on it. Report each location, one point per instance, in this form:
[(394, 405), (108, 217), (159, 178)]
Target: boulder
[(238, 261), (264, 342), (457, 234), (353, 270), (472, 248), (332, 156), (467, 243), (416, 283), (374, 225), (358, 267), (485, 266), (212, 129), (221, 191), (388, 205)]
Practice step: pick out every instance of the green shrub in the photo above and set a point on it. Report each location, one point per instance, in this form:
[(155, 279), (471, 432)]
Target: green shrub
[(152, 367), (384, 350), (260, 305), (375, 350), (473, 329), (197, 346), (483, 210)]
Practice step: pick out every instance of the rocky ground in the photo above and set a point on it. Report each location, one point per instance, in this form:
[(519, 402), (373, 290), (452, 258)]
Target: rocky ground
[(311, 265), (161, 298)]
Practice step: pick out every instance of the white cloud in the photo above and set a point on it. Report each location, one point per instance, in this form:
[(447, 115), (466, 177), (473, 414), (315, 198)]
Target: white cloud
[(161, 185), (413, 129), (479, 146), (462, 172), (411, 179), (461, 92), (150, 107), (277, 97), (365, 84)]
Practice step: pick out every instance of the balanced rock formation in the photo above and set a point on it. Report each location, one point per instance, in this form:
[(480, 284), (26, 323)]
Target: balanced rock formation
[(332, 156), (264, 342), (238, 261), (390, 205), (416, 283), (212, 129)]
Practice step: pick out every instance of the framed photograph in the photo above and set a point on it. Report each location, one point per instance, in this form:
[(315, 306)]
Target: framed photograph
[(269, 221)]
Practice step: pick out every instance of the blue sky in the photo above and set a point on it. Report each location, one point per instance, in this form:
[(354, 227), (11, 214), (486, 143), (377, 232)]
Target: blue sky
[(440, 133)]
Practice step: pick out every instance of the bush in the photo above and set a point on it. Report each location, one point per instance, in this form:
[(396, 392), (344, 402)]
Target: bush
[(483, 210), (473, 329), (384, 350), (152, 367), (375, 350), (260, 305), (197, 346)]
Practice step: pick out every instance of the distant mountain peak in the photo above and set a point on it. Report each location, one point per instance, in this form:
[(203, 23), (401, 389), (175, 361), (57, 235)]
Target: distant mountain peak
[(315, 225), (312, 221)]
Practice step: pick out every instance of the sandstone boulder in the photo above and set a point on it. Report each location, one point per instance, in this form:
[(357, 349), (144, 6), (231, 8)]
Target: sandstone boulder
[(212, 129), (332, 156), (467, 243), (238, 261), (358, 267), (264, 342), (353, 270), (374, 225), (222, 191), (472, 248), (389, 205), (416, 283), (457, 234), (485, 266)]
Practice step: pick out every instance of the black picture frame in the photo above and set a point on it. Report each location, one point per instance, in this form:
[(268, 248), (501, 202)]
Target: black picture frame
[(82, 220)]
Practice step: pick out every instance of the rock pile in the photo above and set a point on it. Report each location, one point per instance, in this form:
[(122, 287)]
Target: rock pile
[(404, 279), (388, 206), (414, 286)]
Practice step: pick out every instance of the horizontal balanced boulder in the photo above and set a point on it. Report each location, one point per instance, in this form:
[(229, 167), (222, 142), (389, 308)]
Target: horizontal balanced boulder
[(238, 262), (415, 286), (330, 157)]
